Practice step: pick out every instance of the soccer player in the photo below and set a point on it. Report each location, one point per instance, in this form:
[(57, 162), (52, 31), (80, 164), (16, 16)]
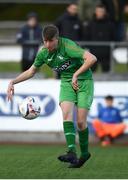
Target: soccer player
[(73, 63)]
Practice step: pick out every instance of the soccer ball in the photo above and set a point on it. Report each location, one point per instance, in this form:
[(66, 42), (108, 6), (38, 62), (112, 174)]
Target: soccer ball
[(29, 108)]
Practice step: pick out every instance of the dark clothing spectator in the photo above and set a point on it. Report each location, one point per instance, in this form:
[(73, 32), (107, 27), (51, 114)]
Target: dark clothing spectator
[(100, 29), (124, 24), (114, 8), (30, 38), (115, 11), (86, 9), (69, 26)]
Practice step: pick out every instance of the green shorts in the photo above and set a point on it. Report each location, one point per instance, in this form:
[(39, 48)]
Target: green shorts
[(82, 98)]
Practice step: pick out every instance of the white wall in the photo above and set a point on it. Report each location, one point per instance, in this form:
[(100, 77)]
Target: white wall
[(47, 92)]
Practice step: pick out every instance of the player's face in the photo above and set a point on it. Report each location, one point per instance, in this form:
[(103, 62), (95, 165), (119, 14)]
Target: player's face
[(100, 12), (72, 9), (32, 22), (51, 45), (109, 103)]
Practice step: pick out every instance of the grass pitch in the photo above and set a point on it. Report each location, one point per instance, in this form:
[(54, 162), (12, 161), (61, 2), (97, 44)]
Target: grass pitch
[(40, 162), (16, 67)]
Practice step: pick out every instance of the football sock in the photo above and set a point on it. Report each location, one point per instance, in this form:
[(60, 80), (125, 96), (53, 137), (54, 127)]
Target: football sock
[(83, 142), (69, 132)]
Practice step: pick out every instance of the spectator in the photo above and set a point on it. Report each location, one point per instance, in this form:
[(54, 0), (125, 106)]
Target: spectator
[(29, 37), (115, 10), (69, 24), (100, 29), (86, 9), (109, 123), (125, 23)]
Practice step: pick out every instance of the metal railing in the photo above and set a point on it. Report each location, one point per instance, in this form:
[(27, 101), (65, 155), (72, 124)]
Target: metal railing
[(85, 44), (112, 46)]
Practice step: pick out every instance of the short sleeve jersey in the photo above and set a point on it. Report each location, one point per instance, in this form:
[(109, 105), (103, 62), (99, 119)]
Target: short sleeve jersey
[(66, 59)]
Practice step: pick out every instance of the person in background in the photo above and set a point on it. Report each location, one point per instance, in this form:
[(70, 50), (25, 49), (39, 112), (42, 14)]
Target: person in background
[(69, 24), (115, 10), (125, 23), (100, 29), (30, 37), (86, 9), (108, 124)]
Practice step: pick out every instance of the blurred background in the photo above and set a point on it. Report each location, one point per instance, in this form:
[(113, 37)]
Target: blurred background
[(98, 26)]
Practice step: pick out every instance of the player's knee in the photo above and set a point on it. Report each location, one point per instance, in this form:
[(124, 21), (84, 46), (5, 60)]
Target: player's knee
[(67, 115), (81, 125)]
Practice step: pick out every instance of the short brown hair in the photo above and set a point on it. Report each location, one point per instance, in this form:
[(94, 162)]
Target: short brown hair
[(50, 31)]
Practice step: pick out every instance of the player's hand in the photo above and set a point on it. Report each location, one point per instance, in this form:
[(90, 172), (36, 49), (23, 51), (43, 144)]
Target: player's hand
[(75, 83), (10, 91)]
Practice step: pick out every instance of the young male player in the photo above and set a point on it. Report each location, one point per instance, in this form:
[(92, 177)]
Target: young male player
[(73, 63)]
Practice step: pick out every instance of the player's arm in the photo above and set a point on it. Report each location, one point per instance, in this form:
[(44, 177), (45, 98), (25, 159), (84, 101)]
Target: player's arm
[(89, 60), (22, 77)]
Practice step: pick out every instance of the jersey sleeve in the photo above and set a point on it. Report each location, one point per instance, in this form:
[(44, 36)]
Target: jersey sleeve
[(39, 60), (73, 50)]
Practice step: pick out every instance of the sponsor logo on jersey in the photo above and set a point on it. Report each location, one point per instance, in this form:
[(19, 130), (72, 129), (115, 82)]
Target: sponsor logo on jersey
[(60, 57), (63, 66), (50, 59)]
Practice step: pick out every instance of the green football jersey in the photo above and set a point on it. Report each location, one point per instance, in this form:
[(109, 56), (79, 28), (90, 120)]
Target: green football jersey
[(66, 59)]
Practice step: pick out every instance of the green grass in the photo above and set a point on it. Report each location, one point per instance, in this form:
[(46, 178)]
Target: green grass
[(15, 67), (9, 67), (40, 162), (118, 68)]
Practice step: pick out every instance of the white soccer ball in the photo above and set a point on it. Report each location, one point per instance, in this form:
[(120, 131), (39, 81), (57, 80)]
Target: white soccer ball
[(29, 108)]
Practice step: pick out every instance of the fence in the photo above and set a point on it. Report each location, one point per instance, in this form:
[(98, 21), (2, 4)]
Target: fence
[(115, 51), (118, 51)]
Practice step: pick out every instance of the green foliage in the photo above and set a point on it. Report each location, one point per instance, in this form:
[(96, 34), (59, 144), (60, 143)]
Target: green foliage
[(40, 162)]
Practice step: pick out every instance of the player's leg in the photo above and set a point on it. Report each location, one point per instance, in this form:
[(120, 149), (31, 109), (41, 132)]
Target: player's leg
[(82, 131), (69, 131), (99, 128), (67, 99), (83, 137), (102, 131), (116, 129), (84, 101)]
